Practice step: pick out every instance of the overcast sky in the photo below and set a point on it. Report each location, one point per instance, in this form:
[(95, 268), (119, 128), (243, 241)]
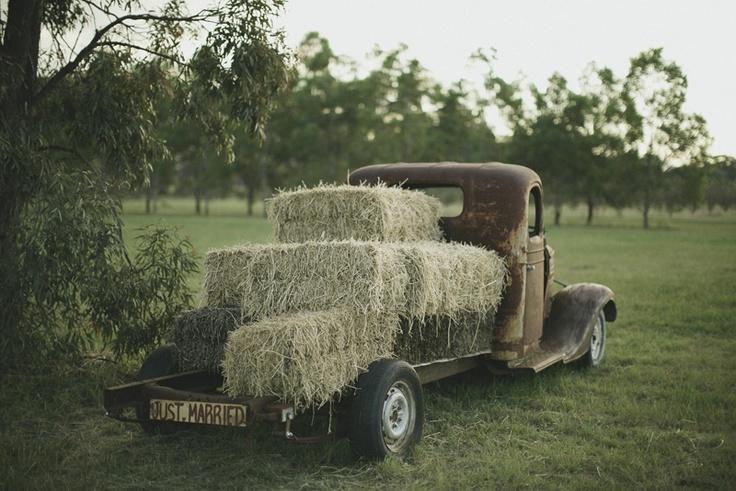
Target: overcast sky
[(536, 38)]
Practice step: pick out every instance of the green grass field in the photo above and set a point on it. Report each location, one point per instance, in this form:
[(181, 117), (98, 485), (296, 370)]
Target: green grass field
[(660, 412)]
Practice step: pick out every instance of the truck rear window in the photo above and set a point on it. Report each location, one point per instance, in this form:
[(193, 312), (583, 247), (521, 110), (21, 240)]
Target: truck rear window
[(450, 197)]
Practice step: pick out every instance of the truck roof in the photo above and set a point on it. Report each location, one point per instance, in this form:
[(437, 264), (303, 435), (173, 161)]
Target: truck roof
[(510, 176)]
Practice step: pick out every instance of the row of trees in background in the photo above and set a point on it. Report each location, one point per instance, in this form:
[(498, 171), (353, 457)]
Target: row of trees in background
[(616, 141), (323, 125)]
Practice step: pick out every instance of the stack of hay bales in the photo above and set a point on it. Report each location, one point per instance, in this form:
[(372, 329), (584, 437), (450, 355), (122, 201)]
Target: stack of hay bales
[(359, 274)]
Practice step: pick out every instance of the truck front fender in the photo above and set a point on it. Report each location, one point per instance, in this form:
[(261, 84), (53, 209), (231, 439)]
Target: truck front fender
[(573, 313)]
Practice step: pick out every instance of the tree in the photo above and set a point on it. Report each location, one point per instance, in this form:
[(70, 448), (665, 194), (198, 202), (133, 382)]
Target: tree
[(78, 128), (602, 128), (658, 129), (682, 187), (546, 134), (721, 182), (460, 133)]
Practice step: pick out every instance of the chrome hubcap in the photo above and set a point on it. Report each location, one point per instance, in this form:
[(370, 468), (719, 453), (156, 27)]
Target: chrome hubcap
[(398, 416), (596, 340)]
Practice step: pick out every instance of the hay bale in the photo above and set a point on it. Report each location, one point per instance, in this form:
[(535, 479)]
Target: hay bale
[(415, 280), (440, 337), (329, 212), (267, 280), (450, 279), (200, 336), (305, 358)]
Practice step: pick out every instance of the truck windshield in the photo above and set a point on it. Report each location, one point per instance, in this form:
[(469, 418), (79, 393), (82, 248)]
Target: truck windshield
[(534, 214)]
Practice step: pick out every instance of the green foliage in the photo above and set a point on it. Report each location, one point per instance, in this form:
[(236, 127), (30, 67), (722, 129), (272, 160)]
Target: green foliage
[(615, 141), (82, 124), (658, 129), (682, 187), (333, 119), (721, 183), (156, 293), (84, 292)]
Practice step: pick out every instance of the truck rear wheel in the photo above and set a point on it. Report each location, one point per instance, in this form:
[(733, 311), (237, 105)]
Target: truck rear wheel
[(161, 362), (387, 414)]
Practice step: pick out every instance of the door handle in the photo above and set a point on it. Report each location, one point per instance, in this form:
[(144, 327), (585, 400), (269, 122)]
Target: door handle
[(530, 267)]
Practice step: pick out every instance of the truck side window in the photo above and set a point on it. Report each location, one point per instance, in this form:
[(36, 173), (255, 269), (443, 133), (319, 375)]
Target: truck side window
[(534, 215)]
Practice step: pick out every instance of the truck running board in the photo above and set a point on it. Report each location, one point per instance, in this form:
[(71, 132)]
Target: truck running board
[(537, 361)]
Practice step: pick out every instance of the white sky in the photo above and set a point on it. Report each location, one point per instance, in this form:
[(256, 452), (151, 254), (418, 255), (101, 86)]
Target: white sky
[(536, 38)]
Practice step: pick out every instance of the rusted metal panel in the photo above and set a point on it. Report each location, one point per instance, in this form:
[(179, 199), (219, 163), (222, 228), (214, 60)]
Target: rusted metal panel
[(534, 293), (549, 277), (573, 313), (431, 372), (537, 360), (494, 216)]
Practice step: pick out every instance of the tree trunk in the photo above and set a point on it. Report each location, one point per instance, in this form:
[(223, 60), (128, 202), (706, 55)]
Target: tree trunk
[(251, 199), (18, 62), (197, 200), (646, 209), (206, 202), (152, 195), (589, 220), (558, 211)]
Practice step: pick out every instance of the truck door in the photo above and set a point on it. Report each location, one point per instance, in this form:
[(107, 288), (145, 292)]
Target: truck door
[(534, 268)]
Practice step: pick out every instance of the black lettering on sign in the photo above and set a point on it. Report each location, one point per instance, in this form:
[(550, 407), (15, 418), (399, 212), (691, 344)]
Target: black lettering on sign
[(239, 416), (197, 412)]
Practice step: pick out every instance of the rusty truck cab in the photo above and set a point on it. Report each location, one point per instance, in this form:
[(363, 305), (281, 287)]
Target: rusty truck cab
[(496, 211)]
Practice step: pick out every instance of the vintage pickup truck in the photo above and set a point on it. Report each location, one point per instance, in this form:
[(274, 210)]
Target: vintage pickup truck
[(382, 411)]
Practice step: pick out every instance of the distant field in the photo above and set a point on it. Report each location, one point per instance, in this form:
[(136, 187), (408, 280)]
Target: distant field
[(659, 413)]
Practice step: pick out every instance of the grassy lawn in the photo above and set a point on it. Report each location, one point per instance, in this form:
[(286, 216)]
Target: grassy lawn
[(659, 413)]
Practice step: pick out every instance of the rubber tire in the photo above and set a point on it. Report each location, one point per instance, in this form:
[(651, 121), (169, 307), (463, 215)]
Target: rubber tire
[(587, 360), (159, 363), (365, 429)]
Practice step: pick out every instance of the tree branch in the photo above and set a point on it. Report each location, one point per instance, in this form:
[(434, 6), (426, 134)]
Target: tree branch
[(165, 56), (96, 41)]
